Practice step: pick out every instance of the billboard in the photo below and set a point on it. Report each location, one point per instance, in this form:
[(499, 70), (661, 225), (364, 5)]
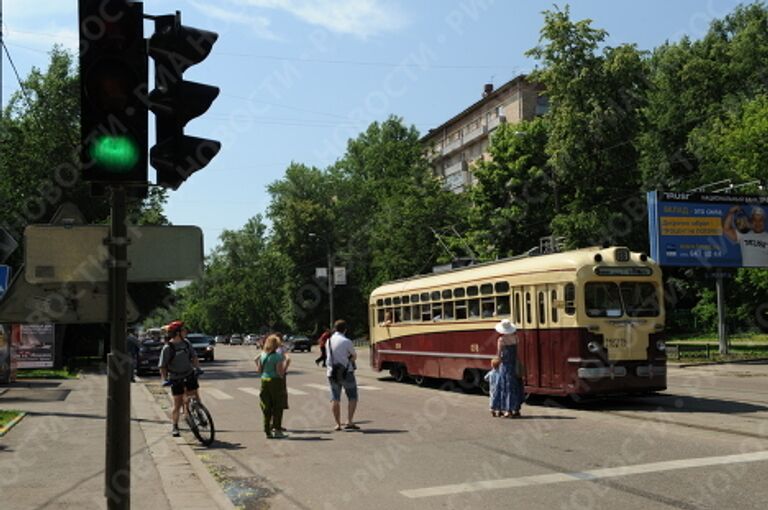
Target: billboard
[(707, 229), (34, 345)]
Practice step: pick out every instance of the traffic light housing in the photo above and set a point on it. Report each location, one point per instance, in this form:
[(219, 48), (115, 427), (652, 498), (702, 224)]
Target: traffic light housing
[(175, 48), (113, 85)]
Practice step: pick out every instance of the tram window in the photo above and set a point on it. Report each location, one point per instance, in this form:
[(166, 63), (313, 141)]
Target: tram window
[(459, 292), (437, 312), (398, 315), (489, 306), (379, 302), (380, 315), (447, 294), (416, 312), (406, 300), (528, 310), (435, 295), (554, 305), (542, 308), (388, 301), (426, 315), (424, 296), (472, 291), (448, 310), (502, 306), (461, 309), (570, 299), (486, 288), (396, 301), (474, 308), (639, 299), (414, 298), (501, 287), (602, 299), (517, 308), (406, 313)]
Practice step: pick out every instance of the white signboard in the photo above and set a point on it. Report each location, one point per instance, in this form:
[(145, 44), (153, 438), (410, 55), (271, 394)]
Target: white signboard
[(36, 346), (340, 275)]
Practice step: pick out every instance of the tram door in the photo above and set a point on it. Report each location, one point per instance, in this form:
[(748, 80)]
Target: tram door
[(550, 345), (530, 352)]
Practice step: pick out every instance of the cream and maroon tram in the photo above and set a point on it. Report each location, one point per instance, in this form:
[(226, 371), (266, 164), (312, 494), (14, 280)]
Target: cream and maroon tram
[(589, 322)]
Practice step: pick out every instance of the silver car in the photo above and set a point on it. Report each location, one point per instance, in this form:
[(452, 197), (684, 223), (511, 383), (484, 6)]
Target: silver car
[(236, 340)]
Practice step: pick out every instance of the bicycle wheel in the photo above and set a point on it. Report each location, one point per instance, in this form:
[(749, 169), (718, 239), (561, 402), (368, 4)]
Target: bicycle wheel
[(201, 422)]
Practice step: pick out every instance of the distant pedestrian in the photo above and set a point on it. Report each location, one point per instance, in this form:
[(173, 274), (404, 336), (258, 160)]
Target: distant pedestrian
[(134, 345), (492, 378), (270, 364), (507, 398), (326, 334), (341, 373)]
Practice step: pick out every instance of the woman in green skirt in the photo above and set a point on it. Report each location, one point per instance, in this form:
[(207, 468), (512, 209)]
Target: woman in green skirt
[(271, 365)]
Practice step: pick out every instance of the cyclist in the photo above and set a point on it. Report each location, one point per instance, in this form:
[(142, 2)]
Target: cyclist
[(178, 364)]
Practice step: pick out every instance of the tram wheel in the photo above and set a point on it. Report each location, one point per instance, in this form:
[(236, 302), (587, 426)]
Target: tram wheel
[(399, 373), (419, 380)]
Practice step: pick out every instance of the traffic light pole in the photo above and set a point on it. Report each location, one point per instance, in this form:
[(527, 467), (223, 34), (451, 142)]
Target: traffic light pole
[(119, 365)]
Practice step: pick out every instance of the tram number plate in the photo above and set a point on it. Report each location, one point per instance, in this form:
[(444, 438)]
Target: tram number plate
[(616, 343)]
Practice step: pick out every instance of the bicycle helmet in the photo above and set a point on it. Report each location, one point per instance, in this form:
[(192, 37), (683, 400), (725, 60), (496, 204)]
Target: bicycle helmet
[(174, 327)]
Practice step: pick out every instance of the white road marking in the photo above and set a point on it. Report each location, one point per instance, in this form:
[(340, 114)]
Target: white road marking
[(596, 474), (369, 388), (318, 386), (217, 394), (251, 391), (294, 391)]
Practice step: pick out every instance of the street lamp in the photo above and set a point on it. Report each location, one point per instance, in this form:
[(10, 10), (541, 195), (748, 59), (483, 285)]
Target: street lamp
[(329, 275)]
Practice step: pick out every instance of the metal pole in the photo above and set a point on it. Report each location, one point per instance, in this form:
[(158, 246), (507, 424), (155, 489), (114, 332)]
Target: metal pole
[(330, 283), (118, 465), (722, 332)]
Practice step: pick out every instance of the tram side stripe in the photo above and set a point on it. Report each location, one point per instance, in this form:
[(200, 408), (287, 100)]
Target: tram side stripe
[(595, 474)]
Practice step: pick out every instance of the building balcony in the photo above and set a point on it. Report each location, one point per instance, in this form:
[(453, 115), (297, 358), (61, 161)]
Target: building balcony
[(449, 147), (474, 134), (457, 177)]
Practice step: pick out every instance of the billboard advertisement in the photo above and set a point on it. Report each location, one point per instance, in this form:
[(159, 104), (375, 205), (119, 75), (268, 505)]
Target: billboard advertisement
[(708, 230), (34, 345)]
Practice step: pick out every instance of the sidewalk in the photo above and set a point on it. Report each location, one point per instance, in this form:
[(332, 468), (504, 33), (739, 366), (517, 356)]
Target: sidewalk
[(55, 457)]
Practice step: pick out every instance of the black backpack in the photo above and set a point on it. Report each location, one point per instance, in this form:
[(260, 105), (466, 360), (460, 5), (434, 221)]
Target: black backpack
[(186, 347)]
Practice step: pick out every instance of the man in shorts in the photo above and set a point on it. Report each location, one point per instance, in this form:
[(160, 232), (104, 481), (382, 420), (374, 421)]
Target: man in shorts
[(178, 364), (341, 353)]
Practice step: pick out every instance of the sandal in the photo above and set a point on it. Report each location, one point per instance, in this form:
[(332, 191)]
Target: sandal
[(337, 427), (351, 426)]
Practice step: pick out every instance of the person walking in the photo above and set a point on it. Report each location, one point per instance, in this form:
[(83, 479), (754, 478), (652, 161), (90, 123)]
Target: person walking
[(321, 343), (341, 373), (270, 364), (507, 397)]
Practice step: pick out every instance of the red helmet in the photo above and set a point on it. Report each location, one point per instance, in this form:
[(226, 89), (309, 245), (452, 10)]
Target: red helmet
[(174, 327)]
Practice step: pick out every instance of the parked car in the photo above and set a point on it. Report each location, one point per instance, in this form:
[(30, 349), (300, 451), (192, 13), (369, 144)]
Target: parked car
[(299, 343), (236, 340), (203, 344), (149, 355), (252, 339), (221, 339)]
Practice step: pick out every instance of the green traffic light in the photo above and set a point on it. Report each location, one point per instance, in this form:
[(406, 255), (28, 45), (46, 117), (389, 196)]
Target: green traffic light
[(115, 153)]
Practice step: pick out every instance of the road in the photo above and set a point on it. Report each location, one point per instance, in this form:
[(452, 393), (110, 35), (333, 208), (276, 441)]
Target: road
[(701, 444)]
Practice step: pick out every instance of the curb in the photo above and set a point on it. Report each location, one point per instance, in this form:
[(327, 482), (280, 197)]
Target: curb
[(7, 428), (199, 469), (729, 362)]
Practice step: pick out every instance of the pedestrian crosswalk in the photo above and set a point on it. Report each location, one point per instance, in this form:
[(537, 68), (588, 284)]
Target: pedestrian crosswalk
[(218, 394)]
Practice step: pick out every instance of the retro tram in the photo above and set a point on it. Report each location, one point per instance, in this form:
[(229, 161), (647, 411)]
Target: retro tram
[(589, 322)]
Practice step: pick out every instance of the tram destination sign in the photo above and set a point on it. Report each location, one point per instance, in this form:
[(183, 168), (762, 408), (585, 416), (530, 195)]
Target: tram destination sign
[(708, 229)]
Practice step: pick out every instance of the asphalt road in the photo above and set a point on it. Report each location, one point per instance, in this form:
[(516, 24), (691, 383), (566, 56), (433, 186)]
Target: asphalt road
[(701, 444)]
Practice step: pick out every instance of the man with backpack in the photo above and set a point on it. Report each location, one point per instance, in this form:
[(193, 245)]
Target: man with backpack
[(341, 356), (178, 364)]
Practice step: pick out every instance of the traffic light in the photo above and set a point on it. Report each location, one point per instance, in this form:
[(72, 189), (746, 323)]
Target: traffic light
[(113, 85), (175, 48)]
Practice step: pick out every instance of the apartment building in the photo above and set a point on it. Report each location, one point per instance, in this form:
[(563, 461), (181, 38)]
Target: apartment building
[(454, 146)]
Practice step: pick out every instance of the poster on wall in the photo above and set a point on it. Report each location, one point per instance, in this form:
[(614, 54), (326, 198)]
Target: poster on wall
[(34, 345), (708, 230)]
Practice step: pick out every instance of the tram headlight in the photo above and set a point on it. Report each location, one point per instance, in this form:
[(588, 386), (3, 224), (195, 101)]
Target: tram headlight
[(593, 347), (660, 345)]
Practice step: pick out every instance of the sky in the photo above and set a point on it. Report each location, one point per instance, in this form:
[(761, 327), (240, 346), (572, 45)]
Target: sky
[(299, 78)]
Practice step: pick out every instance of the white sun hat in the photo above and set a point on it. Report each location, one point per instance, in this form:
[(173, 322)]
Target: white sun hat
[(505, 327)]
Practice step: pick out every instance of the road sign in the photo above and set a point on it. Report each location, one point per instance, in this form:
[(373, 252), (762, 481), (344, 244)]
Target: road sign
[(5, 277), (71, 303), (155, 253)]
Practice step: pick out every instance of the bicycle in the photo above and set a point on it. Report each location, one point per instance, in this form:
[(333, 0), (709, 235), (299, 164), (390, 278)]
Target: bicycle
[(198, 417)]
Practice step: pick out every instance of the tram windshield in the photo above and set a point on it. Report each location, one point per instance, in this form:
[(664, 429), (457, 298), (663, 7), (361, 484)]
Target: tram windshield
[(609, 299)]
